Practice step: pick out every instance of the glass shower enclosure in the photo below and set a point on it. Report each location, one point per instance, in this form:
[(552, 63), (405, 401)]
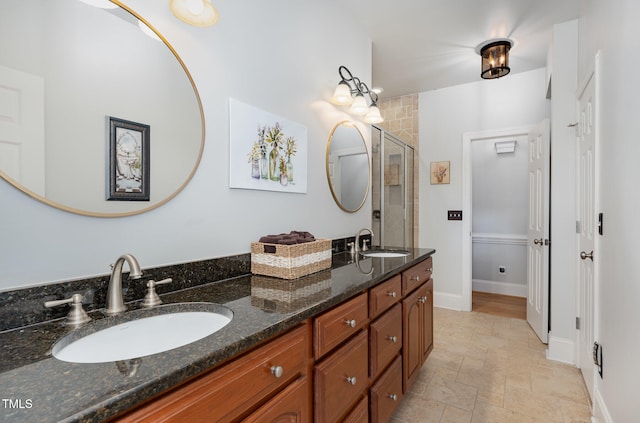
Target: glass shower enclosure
[(392, 190)]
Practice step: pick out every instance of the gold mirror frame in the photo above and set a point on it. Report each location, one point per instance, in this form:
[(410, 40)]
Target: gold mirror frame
[(330, 171), (159, 203)]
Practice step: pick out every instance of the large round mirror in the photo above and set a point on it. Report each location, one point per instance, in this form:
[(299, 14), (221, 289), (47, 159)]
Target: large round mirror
[(97, 116), (348, 166)]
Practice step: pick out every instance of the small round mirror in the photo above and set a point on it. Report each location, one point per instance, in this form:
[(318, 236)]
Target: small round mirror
[(348, 166)]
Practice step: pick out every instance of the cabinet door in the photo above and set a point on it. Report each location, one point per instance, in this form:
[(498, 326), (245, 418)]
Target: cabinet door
[(360, 413), (427, 319), (386, 393), (385, 340), (411, 337), (341, 379), (289, 406)]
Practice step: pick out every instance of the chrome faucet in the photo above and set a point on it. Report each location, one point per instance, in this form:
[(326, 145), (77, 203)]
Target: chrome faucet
[(358, 238), (115, 302)]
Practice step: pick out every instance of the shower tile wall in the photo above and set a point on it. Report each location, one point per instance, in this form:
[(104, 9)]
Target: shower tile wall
[(401, 120)]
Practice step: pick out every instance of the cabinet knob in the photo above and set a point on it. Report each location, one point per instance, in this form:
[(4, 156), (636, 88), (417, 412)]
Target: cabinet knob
[(392, 338), (351, 323), (423, 299), (392, 294), (277, 371), (430, 269), (393, 397), (351, 380), (416, 278)]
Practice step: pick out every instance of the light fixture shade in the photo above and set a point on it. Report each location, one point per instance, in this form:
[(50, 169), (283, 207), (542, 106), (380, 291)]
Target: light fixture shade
[(359, 106), (495, 59), (373, 115), (195, 12), (342, 95)]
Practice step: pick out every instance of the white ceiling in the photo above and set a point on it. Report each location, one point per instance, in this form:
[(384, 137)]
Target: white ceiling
[(421, 45)]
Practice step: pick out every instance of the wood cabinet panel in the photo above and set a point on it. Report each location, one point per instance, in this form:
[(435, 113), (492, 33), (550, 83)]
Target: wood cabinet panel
[(411, 348), (340, 379), (385, 295), (416, 275), (386, 393), (385, 340), (226, 393), (338, 324), (289, 406), (360, 413), (427, 321)]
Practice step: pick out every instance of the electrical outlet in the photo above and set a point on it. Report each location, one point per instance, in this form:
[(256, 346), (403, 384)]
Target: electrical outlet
[(502, 269), (454, 215)]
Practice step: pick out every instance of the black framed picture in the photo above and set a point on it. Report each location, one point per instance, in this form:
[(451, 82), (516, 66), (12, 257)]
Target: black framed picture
[(128, 173)]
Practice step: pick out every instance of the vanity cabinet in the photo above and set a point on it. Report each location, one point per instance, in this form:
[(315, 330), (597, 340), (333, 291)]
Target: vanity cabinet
[(232, 391), (350, 364)]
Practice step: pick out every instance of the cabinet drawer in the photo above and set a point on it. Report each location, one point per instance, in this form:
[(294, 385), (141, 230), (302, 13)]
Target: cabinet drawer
[(360, 413), (385, 295), (224, 394), (416, 275), (340, 379), (386, 394), (336, 325), (385, 335), (291, 406)]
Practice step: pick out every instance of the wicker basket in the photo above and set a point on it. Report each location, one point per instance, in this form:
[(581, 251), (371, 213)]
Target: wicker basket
[(290, 261)]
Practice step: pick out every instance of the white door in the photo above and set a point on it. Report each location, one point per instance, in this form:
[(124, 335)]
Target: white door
[(22, 128), (586, 229), (538, 231)]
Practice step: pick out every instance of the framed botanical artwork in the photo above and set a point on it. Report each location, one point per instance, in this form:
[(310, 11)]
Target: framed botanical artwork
[(266, 152), (128, 172), (440, 172)]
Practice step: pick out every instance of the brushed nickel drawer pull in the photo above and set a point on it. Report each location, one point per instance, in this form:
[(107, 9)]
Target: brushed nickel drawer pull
[(392, 294), (416, 278), (351, 323), (393, 397), (277, 371), (392, 338), (351, 380)]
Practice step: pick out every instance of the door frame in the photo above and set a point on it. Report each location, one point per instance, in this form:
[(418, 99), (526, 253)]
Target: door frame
[(467, 197)]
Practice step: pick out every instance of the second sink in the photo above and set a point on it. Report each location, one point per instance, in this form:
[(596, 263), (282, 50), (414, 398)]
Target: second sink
[(384, 253), (146, 332)]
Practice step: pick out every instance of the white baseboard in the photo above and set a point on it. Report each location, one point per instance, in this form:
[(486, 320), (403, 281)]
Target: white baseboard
[(450, 301), (600, 411), (561, 349), (502, 288)]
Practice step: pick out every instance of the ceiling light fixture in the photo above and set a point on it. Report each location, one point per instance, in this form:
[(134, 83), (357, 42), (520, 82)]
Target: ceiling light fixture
[(351, 91), (495, 57), (195, 12)]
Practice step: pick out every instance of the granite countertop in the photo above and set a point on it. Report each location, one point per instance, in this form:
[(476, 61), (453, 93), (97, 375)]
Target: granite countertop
[(36, 387)]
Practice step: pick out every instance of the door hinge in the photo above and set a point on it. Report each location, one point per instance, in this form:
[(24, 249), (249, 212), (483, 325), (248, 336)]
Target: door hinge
[(577, 323), (578, 227)]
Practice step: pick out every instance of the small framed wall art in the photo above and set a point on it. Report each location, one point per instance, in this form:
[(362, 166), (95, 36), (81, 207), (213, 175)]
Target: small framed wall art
[(440, 172), (128, 172)]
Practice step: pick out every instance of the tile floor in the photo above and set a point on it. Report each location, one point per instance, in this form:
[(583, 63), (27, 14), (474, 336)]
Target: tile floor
[(486, 368)]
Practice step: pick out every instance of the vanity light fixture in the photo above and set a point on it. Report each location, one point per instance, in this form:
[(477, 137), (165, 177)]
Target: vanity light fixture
[(351, 91), (195, 12), (494, 56)]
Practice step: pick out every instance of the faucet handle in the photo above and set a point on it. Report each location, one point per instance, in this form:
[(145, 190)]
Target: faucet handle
[(352, 248), (77, 316), (365, 247), (152, 299)]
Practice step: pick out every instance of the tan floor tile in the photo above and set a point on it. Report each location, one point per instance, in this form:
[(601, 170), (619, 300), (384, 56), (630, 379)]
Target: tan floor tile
[(416, 408), (453, 393), (455, 415), (543, 407), (491, 369)]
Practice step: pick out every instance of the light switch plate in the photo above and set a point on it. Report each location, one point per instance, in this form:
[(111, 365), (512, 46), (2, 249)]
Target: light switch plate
[(454, 215)]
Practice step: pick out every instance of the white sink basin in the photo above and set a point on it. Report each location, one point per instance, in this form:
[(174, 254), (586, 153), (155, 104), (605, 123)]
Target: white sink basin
[(149, 332), (385, 253)]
